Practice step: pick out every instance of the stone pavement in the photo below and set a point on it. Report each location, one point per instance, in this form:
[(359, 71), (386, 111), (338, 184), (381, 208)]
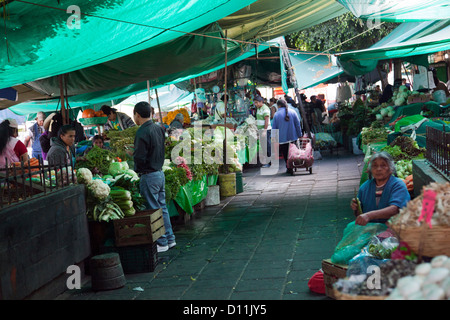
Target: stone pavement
[(262, 244)]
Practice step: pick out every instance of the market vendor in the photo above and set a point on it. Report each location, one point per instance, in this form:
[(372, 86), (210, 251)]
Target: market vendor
[(263, 123), (62, 147), (116, 120), (97, 141), (383, 195), (177, 122), (219, 112)]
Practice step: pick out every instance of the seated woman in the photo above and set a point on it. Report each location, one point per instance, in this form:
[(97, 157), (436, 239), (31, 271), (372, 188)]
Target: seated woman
[(382, 195), (62, 149), (98, 141)]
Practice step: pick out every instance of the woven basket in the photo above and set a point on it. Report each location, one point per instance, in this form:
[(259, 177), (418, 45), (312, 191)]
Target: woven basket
[(344, 296), (425, 241)]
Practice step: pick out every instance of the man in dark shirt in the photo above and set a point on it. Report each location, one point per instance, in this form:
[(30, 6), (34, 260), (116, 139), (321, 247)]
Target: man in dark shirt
[(148, 161)]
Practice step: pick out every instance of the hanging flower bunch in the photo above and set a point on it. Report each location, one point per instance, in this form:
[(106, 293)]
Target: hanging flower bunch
[(172, 114)]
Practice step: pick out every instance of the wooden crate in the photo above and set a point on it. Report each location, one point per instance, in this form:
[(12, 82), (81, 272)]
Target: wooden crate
[(145, 227), (332, 272)]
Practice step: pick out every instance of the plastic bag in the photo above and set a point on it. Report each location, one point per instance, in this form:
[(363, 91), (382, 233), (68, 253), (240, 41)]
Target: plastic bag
[(355, 238), (382, 249)]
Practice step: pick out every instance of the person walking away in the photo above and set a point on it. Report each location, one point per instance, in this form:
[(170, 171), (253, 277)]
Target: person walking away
[(148, 158), (11, 148), (116, 120), (263, 124), (62, 147), (33, 135), (288, 124)]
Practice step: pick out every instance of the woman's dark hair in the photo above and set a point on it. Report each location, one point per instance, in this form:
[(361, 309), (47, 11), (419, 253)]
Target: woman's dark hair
[(283, 104), (5, 134), (107, 109), (143, 108), (273, 100), (64, 129), (98, 137)]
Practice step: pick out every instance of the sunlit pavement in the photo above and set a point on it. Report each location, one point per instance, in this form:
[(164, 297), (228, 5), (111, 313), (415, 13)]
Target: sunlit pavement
[(262, 244)]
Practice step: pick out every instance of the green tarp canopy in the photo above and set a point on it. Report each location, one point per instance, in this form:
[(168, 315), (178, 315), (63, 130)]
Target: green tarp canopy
[(398, 10), (313, 68), (411, 41), (268, 19), (235, 54), (39, 42)]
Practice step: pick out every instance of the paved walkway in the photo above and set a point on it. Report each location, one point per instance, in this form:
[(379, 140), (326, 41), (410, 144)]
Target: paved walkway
[(262, 244)]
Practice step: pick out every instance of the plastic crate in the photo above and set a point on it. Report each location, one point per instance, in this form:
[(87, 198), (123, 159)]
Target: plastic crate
[(136, 259), (145, 227)]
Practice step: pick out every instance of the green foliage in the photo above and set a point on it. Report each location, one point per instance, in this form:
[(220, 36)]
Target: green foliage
[(332, 34)]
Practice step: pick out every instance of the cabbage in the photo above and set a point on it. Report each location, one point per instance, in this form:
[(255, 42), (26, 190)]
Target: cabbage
[(383, 112), (391, 114), (379, 117), (131, 173), (117, 168)]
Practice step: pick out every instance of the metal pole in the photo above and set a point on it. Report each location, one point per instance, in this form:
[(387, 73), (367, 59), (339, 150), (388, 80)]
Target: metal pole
[(159, 107), (63, 109), (225, 100)]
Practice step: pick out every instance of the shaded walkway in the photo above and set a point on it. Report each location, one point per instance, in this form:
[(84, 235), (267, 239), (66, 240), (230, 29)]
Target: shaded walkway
[(262, 244)]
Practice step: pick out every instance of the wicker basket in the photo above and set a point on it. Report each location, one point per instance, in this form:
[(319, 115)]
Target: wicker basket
[(425, 241), (344, 296)]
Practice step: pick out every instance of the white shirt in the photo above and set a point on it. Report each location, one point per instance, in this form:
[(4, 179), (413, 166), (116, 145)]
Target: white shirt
[(220, 109)]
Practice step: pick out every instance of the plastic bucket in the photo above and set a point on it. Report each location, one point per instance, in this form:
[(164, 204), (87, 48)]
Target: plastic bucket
[(213, 196), (227, 183), (239, 183)]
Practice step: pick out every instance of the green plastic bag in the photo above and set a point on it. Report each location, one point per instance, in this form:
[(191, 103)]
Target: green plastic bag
[(355, 238)]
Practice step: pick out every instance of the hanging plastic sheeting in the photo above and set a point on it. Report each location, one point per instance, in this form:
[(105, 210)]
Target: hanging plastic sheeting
[(313, 68), (54, 37), (413, 46), (376, 11)]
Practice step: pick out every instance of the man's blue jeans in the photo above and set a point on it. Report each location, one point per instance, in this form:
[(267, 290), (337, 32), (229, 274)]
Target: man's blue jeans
[(152, 188)]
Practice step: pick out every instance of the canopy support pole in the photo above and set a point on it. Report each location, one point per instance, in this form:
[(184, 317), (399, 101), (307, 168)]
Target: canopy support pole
[(63, 108), (225, 101), (159, 107)]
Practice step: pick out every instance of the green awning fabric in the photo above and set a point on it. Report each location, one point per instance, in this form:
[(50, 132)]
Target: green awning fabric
[(269, 19), (235, 55), (312, 68), (398, 11), (39, 43), (410, 41)]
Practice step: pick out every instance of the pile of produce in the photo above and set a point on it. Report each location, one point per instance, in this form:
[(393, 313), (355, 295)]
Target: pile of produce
[(403, 169), (390, 272), (409, 215), (400, 96), (122, 142), (430, 281), (97, 160), (404, 148), (383, 112), (100, 206), (376, 132)]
